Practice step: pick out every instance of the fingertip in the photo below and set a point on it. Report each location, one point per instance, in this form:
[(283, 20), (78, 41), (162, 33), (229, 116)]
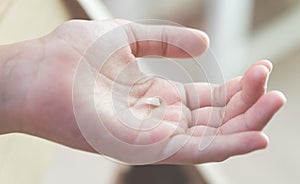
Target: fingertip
[(262, 73), (263, 68), (249, 142), (203, 37), (280, 96), (256, 141), (267, 63), (257, 76), (258, 72), (265, 140)]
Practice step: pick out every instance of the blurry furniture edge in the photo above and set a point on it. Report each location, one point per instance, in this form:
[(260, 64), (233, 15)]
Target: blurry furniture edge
[(75, 10), (88, 9), (4, 7), (149, 174)]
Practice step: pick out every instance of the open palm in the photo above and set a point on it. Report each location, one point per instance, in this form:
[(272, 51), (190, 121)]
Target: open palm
[(102, 100)]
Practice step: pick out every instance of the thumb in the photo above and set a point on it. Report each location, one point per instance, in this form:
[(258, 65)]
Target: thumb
[(165, 40)]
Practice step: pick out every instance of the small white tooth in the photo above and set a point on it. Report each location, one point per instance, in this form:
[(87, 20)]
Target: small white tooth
[(153, 101)]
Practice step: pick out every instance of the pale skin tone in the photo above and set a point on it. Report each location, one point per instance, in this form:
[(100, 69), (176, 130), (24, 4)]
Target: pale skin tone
[(36, 80)]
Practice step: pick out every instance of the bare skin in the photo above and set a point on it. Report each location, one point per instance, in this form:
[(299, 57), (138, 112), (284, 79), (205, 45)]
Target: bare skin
[(36, 79)]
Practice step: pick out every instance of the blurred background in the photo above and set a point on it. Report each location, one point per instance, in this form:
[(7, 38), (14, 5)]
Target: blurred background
[(241, 32)]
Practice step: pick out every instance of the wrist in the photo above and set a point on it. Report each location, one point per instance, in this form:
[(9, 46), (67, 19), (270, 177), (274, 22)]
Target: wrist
[(14, 77), (7, 60)]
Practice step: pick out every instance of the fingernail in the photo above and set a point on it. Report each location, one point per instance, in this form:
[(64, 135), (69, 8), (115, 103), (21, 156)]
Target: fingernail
[(283, 97), (266, 137), (267, 77)]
